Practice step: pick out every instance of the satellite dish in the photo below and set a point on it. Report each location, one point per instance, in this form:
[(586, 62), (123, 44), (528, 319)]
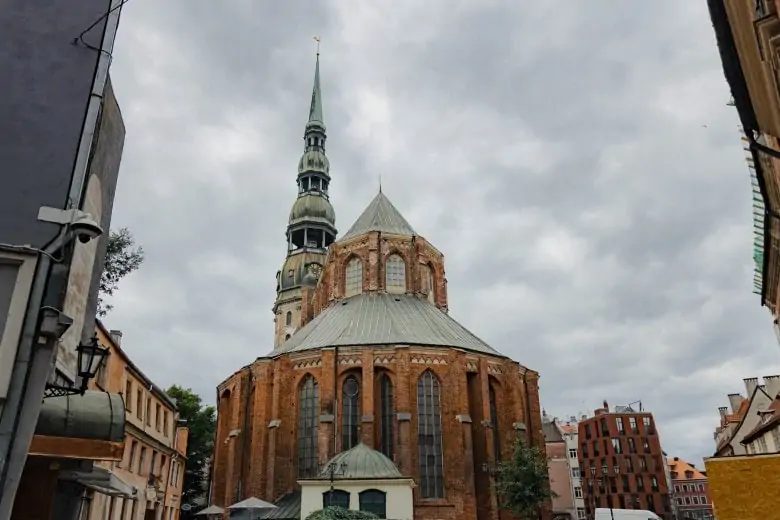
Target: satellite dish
[(186, 507)]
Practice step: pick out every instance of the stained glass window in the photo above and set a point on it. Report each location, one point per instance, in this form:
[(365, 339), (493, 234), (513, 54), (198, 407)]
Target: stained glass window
[(429, 438), (395, 275), (353, 283), (308, 409), (350, 413), (386, 416)]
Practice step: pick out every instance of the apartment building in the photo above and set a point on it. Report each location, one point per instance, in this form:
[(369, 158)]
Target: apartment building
[(743, 425), (621, 461), (155, 443), (691, 492), (564, 468)]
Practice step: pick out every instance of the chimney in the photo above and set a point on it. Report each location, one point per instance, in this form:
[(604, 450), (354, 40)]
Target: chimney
[(606, 406), (772, 384), (572, 419), (723, 411), (735, 400), (116, 337), (751, 383)]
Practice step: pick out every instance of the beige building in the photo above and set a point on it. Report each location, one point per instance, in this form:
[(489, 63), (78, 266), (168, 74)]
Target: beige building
[(564, 467), (745, 415), (155, 445)]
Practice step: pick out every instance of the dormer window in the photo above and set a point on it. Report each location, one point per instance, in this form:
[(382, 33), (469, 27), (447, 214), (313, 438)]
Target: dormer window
[(395, 275)]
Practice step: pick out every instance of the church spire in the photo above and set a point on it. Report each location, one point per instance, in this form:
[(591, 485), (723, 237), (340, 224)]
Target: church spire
[(315, 110)]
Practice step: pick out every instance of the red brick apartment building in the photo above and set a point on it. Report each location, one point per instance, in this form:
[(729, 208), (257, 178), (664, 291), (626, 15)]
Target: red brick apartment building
[(621, 462)]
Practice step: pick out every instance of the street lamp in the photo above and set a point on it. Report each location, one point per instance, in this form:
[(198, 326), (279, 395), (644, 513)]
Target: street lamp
[(605, 479), (90, 357)]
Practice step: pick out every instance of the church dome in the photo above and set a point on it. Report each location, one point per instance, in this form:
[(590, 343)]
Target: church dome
[(361, 462), (312, 208), (314, 160)]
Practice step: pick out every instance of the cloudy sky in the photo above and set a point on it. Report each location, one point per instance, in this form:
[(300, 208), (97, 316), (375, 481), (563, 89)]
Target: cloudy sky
[(577, 165)]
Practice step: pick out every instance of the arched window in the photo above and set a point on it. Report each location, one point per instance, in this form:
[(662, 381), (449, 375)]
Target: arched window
[(353, 281), (494, 422), (426, 280), (429, 440), (374, 501), (386, 416), (308, 409), (395, 275), (288, 319), (350, 413), (337, 497)]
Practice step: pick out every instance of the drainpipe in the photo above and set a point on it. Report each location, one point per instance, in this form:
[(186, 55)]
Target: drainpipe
[(335, 400)]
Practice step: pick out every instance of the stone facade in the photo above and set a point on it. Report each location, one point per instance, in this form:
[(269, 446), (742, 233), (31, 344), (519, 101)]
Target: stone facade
[(257, 427)]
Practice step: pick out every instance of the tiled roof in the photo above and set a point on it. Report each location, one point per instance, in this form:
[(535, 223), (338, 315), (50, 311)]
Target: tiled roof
[(382, 319), (681, 466), (380, 215)]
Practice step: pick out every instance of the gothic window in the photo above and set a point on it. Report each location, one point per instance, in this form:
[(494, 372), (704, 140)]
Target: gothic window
[(336, 497), (374, 501), (308, 408), (426, 279), (288, 319), (429, 439), (395, 275), (386, 416), (353, 283), (494, 422), (350, 412)]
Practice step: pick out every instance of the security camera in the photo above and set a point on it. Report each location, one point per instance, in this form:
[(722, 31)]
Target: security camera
[(85, 228)]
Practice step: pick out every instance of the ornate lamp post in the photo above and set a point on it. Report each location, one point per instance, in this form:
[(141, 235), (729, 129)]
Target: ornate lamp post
[(598, 481), (90, 357)]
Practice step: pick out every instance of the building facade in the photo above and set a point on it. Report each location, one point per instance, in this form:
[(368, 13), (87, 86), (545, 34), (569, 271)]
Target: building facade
[(372, 357), (746, 37), (745, 416), (691, 491), (621, 462), (559, 470), (155, 448)]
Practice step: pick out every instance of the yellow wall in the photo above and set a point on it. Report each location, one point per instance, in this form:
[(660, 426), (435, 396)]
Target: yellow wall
[(745, 487)]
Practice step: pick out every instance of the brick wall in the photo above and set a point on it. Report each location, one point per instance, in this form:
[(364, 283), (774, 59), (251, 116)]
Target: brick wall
[(270, 459)]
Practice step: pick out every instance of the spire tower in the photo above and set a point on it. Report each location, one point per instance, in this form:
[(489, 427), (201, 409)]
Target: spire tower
[(312, 224)]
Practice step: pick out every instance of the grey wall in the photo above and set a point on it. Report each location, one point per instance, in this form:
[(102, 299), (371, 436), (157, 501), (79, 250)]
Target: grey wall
[(45, 80), (106, 158)]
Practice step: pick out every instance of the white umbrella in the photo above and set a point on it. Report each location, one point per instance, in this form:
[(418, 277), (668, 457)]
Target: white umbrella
[(211, 510), (253, 504)]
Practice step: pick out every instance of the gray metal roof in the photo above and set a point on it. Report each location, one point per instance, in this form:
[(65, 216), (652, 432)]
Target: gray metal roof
[(380, 215), (361, 462), (382, 319), (287, 508)]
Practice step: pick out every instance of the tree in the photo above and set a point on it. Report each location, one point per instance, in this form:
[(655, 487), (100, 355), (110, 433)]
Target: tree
[(121, 260), (202, 424), (522, 483), (339, 513)]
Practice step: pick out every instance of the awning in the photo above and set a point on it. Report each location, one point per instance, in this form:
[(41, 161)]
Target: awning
[(102, 481)]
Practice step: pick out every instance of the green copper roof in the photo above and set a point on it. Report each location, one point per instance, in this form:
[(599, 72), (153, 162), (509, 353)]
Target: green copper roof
[(315, 110), (382, 319), (380, 215), (361, 462)]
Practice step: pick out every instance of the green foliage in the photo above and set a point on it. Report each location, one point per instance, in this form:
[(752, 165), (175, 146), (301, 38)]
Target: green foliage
[(522, 483), (202, 423), (339, 513), (121, 259)]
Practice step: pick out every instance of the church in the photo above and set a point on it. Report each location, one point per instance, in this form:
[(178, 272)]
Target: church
[(373, 397)]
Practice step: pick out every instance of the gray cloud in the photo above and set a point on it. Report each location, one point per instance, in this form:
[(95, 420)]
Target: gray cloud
[(594, 230)]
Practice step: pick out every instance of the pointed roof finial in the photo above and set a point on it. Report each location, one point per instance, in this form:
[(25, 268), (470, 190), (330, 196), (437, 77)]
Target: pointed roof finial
[(315, 111), (380, 183)]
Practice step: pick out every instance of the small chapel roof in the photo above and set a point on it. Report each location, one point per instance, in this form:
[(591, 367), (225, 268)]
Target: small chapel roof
[(380, 215), (361, 462), (383, 319)]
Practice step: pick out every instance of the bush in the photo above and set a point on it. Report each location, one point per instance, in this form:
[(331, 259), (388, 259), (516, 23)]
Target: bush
[(339, 513)]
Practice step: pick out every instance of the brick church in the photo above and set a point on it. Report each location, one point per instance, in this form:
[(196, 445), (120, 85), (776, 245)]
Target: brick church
[(366, 355)]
